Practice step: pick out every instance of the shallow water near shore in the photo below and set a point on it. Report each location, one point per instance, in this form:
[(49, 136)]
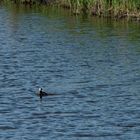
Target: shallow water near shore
[(91, 65)]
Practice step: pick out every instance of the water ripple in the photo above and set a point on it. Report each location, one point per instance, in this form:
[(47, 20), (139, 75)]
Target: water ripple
[(90, 68)]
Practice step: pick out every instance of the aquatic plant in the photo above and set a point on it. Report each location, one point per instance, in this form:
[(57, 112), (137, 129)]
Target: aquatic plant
[(114, 8), (111, 8)]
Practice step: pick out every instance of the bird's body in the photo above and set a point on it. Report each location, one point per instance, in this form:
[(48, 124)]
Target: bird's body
[(41, 93)]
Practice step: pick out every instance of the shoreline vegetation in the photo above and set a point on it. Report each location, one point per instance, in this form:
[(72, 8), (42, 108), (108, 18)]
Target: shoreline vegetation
[(117, 9)]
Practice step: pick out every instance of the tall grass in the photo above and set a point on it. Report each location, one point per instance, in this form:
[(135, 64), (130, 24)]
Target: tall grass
[(116, 8), (112, 8)]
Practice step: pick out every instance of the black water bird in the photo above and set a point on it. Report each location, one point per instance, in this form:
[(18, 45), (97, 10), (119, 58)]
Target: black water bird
[(41, 93)]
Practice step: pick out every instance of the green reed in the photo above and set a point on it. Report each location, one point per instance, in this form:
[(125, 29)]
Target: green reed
[(112, 8), (104, 7)]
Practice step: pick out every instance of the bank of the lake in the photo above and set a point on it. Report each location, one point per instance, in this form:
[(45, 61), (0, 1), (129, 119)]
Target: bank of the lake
[(117, 9)]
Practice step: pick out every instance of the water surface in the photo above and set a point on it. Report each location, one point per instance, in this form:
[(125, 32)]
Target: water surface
[(91, 65)]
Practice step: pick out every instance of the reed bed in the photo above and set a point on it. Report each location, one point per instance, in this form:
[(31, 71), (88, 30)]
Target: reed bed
[(108, 8), (105, 8)]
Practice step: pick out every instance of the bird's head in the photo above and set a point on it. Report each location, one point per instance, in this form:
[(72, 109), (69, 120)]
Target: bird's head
[(40, 89)]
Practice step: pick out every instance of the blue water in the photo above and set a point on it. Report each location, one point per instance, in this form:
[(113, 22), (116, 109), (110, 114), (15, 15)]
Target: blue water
[(91, 65)]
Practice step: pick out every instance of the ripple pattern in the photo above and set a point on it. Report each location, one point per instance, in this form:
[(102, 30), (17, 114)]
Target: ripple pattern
[(92, 68)]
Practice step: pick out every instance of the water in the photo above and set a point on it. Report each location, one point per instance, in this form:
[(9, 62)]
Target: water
[(91, 65)]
